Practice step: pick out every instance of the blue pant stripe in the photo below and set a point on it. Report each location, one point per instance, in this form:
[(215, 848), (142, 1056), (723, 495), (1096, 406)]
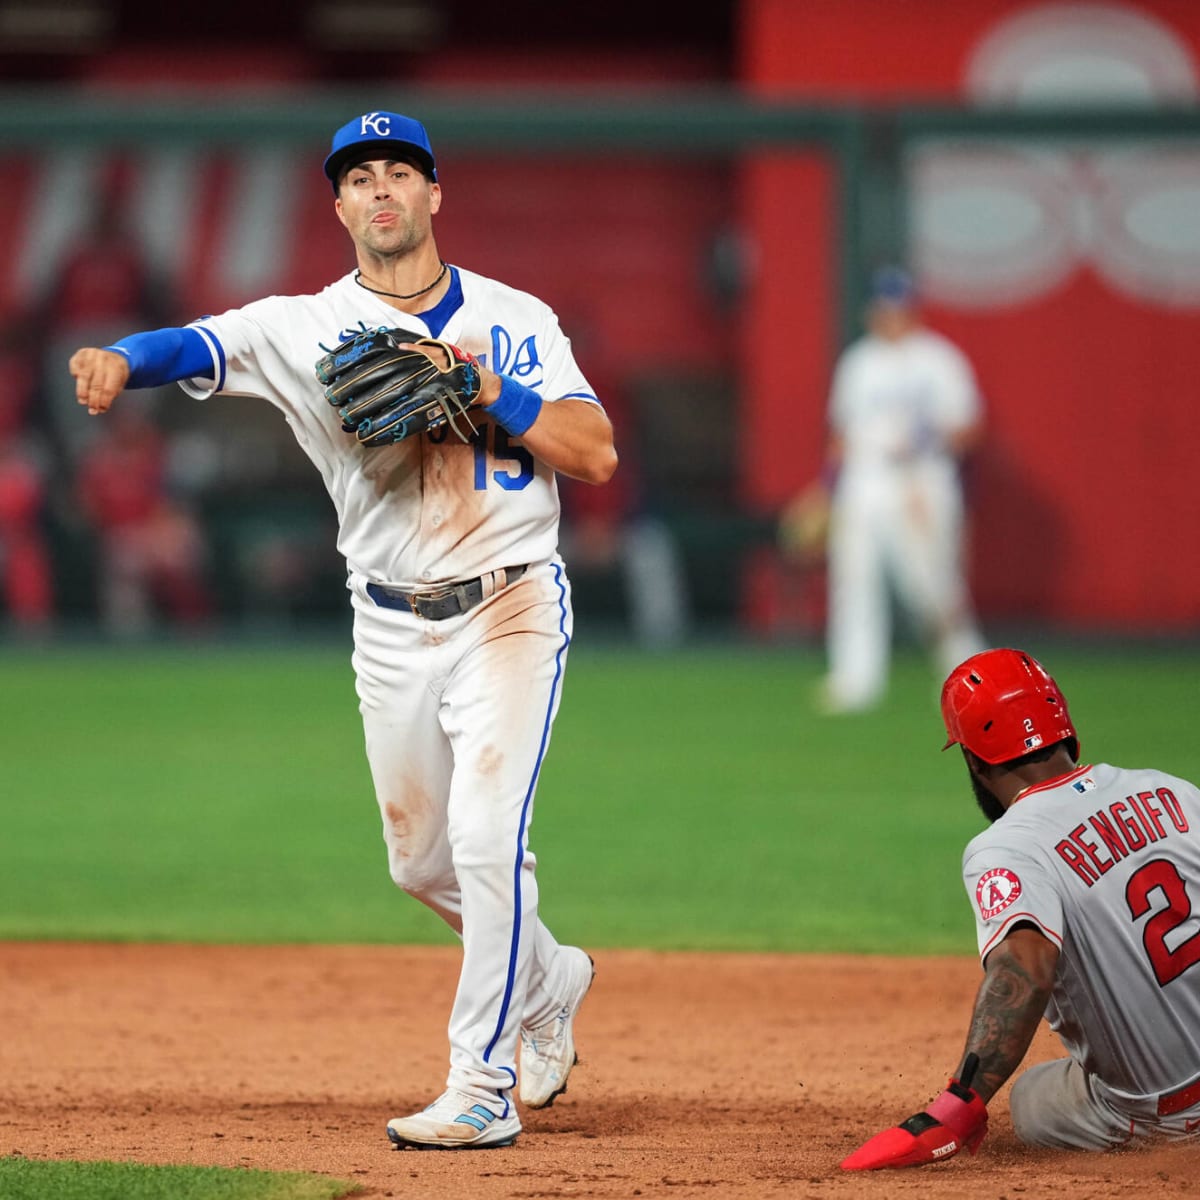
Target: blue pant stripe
[(537, 766)]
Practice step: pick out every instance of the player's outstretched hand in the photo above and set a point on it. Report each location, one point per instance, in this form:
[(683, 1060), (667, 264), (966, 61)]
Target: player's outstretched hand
[(100, 377), (957, 1118)]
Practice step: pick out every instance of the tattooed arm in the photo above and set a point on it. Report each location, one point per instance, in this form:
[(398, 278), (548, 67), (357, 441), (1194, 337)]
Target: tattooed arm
[(1016, 985), (1009, 1005)]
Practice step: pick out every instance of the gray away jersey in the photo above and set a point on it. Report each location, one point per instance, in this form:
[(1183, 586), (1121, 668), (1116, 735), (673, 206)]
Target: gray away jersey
[(1106, 863)]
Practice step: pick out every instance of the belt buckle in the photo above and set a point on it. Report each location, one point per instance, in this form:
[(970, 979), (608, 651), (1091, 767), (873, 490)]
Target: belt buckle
[(417, 599)]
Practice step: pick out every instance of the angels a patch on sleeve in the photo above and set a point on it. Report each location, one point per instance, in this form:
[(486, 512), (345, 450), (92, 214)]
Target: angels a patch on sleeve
[(996, 890)]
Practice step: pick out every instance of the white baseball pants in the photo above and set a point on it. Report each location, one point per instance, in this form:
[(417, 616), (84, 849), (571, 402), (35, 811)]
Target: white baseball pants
[(457, 717), (901, 529)]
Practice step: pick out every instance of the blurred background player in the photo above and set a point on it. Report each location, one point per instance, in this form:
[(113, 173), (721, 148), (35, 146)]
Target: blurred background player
[(904, 412), (1085, 889)]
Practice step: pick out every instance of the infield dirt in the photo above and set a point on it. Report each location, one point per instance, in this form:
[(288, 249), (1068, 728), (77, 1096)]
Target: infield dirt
[(701, 1075)]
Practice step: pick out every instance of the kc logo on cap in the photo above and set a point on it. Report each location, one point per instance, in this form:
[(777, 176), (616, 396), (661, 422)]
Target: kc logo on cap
[(379, 135), (380, 124)]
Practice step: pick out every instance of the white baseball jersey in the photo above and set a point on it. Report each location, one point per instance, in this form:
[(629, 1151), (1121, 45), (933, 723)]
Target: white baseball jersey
[(1106, 863), (897, 508), (895, 402), (430, 509)]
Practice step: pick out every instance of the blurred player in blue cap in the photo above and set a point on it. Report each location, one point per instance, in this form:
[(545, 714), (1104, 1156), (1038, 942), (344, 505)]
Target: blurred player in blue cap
[(903, 412)]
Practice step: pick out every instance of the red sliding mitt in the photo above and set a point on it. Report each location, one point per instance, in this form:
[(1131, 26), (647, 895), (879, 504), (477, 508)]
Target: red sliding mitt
[(957, 1118)]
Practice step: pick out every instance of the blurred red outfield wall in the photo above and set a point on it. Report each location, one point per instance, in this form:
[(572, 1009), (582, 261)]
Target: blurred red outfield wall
[(1083, 323)]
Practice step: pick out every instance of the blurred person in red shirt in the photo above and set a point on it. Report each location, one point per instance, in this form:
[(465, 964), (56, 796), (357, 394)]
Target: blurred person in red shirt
[(152, 551), (25, 575), (28, 595), (611, 529), (103, 283)]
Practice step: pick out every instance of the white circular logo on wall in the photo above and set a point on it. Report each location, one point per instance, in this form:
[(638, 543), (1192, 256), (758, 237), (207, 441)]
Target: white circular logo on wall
[(997, 224), (1087, 53), (1146, 202), (992, 225)]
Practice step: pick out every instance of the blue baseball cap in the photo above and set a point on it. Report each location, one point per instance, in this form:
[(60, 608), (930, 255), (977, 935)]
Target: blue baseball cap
[(379, 135), (892, 285)]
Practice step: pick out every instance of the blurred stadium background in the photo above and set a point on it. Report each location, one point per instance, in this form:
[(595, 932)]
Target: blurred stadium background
[(701, 197)]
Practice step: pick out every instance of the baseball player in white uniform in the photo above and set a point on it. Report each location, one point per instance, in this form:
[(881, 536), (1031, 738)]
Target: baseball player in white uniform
[(462, 608), (1086, 893), (904, 409)]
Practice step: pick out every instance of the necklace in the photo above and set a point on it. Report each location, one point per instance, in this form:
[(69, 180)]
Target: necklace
[(396, 295)]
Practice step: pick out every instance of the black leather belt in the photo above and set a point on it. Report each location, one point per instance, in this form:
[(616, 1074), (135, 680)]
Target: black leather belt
[(447, 599)]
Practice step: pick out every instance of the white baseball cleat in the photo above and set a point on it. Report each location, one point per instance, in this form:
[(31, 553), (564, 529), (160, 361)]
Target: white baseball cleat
[(456, 1121), (548, 1050)]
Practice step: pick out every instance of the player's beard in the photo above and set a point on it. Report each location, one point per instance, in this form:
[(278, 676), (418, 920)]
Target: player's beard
[(989, 805)]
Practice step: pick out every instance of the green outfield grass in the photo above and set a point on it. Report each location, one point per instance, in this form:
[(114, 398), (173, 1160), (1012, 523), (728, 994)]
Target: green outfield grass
[(692, 800), (25, 1179)]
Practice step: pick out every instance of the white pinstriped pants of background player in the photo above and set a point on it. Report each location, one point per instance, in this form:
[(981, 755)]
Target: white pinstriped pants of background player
[(457, 716), (895, 529)]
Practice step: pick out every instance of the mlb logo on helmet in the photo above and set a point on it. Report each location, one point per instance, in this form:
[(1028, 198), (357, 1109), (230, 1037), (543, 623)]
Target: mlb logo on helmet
[(379, 135)]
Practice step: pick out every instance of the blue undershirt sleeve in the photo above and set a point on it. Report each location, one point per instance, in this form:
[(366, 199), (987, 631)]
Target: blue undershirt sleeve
[(164, 356)]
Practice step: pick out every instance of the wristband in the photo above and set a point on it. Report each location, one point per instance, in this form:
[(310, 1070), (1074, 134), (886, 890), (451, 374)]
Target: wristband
[(516, 408), (959, 1109)]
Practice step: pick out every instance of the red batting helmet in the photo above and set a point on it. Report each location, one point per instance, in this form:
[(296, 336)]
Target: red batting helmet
[(1003, 704)]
